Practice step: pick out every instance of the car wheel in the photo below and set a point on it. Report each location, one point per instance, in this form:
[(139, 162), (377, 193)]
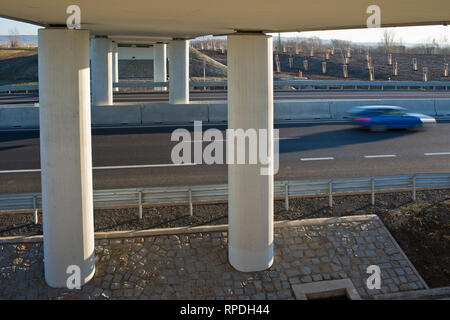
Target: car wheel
[(378, 127)]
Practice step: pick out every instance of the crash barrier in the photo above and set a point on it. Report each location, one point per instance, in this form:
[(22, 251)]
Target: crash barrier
[(140, 197), (163, 112)]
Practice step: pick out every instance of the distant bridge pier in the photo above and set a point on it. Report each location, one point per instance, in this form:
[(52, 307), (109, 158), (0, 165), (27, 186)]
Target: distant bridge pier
[(160, 64), (66, 160), (115, 64), (179, 72), (102, 71), (250, 106)]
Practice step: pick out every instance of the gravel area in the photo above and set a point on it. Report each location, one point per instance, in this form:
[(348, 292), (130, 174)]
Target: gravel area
[(422, 228)]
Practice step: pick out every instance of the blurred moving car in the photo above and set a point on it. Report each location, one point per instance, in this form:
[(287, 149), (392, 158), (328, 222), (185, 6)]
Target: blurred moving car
[(381, 118)]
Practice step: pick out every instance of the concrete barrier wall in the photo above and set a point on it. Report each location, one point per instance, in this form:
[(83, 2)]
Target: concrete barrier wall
[(116, 115), (167, 113), (218, 112), (293, 110), (424, 106), (286, 110), (442, 107), (153, 113), (338, 108), (26, 117)]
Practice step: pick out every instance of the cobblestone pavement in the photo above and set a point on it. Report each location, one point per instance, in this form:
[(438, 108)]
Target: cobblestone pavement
[(195, 265)]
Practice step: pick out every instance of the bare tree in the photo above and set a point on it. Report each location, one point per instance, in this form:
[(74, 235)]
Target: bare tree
[(14, 38), (388, 39), (431, 46)]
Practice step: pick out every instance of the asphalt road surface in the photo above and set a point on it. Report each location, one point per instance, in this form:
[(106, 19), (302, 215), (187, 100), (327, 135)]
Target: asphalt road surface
[(141, 157), (22, 98)]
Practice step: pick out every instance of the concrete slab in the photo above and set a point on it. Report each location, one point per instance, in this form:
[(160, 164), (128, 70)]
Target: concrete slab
[(326, 290)]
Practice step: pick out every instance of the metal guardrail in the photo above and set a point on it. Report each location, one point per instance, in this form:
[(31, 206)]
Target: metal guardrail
[(286, 189), (296, 84), (19, 88), (310, 84)]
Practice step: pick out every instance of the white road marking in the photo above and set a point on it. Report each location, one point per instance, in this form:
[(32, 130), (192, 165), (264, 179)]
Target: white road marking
[(317, 159), (146, 166), (380, 156), (20, 171), (225, 140), (110, 167), (437, 154)]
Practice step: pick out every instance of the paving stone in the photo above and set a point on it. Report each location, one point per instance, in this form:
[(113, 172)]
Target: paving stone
[(196, 265)]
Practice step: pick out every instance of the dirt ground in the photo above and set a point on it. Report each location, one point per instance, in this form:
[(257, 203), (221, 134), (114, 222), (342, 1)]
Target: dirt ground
[(357, 68), (18, 66), (421, 228)]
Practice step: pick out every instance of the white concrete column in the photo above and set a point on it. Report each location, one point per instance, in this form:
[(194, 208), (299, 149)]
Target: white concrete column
[(102, 71), (179, 71), (66, 160), (250, 106), (160, 64), (115, 63)]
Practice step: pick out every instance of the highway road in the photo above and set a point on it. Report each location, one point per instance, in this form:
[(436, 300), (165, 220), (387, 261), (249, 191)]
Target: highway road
[(22, 98), (140, 157)]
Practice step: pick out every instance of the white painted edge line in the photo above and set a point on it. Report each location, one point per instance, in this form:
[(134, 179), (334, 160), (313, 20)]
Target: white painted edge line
[(20, 171), (145, 166), (317, 159), (437, 154), (380, 156), (111, 167), (225, 140)]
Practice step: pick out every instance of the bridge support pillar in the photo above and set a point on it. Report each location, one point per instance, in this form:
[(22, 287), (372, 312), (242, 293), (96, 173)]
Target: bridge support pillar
[(102, 71), (250, 106), (160, 64), (66, 161), (115, 64), (179, 72)]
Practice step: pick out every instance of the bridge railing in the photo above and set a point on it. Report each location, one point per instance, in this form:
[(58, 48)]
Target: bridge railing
[(327, 85), (140, 197)]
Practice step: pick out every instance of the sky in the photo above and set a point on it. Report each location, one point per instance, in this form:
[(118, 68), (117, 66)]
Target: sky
[(405, 34)]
